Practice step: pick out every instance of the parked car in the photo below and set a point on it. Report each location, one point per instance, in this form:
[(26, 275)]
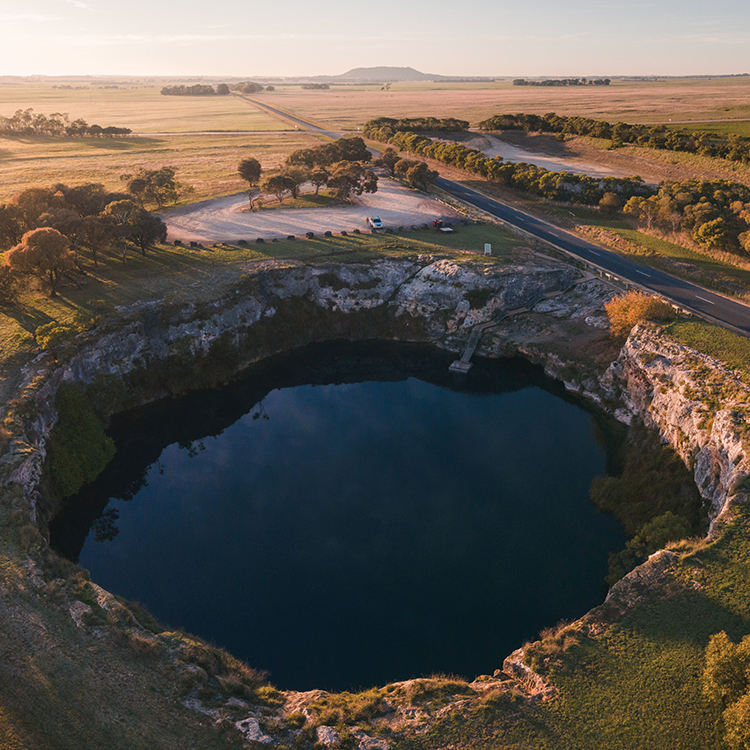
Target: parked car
[(374, 222)]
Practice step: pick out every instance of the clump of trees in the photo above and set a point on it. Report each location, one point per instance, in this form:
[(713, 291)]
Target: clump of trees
[(732, 147), (416, 173), (155, 186), (384, 128), (198, 89), (563, 82), (628, 310), (46, 231), (338, 165), (24, 122), (315, 86), (248, 87), (715, 214)]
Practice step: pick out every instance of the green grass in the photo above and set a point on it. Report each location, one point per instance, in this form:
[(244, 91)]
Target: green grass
[(651, 251), (306, 200), (738, 127), (727, 347)]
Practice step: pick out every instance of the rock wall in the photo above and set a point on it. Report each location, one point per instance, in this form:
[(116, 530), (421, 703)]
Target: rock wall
[(698, 406), (701, 408)]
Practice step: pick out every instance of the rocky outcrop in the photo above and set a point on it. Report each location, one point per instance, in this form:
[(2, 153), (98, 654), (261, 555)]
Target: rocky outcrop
[(700, 407)]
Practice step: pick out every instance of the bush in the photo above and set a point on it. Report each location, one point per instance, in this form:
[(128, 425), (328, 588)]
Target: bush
[(627, 311)]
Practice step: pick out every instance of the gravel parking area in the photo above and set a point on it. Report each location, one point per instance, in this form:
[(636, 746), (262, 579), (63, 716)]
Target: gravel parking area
[(227, 219)]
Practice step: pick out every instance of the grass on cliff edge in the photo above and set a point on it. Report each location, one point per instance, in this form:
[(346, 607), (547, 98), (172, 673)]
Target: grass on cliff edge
[(717, 342), (205, 274)]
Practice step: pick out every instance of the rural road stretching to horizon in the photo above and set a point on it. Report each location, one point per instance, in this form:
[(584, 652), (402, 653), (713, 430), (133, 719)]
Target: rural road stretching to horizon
[(696, 299)]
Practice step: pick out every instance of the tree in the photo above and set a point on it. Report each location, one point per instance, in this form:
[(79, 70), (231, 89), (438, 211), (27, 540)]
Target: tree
[(421, 176), (714, 234), (154, 185), (305, 157), (388, 161), (349, 178), (610, 203), (319, 177), (11, 225), (43, 253), (146, 229), (96, 234), (119, 214), (8, 291), (277, 185), (297, 177), (222, 89), (250, 170)]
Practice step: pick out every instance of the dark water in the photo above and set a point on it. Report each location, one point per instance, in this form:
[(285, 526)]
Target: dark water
[(350, 514)]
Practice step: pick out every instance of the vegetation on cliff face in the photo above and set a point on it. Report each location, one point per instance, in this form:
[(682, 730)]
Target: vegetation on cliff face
[(78, 447)]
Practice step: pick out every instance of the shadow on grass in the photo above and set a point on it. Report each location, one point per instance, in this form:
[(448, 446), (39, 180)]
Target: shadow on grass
[(28, 317)]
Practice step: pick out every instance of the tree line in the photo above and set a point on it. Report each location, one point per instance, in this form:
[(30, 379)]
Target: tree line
[(563, 82), (559, 186), (26, 123), (732, 147), (338, 165), (384, 128), (46, 231), (199, 89), (251, 87), (315, 86), (715, 214)]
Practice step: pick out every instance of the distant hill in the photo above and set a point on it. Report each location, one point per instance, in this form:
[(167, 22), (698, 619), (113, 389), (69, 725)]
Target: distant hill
[(384, 73)]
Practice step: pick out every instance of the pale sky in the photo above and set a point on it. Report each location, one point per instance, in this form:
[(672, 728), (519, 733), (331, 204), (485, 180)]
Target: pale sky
[(327, 37)]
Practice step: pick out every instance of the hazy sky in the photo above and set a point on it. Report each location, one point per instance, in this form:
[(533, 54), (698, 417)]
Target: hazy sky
[(303, 37)]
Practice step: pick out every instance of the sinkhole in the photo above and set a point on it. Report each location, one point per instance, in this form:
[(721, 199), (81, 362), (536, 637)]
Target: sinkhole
[(352, 514)]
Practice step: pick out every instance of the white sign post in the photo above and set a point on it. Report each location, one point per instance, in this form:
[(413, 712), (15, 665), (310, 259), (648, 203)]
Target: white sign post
[(487, 248)]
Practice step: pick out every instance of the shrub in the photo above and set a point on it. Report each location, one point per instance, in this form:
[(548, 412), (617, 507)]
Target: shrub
[(51, 335), (627, 311)]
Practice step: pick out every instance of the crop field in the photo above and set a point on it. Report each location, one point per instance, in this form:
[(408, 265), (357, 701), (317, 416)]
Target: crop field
[(142, 109), (349, 107)]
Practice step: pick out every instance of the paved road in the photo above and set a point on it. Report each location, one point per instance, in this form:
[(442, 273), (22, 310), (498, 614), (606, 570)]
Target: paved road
[(724, 311), (691, 297)]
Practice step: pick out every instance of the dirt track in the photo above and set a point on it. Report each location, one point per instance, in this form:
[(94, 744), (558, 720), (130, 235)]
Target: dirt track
[(227, 219)]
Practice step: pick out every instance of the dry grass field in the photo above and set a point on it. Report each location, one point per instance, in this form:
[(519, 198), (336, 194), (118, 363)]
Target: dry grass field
[(142, 109), (207, 162), (349, 107)]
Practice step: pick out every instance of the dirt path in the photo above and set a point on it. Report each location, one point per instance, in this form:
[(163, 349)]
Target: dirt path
[(227, 219)]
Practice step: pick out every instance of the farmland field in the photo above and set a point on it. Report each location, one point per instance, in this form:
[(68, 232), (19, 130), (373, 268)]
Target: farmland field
[(349, 107), (142, 109), (207, 162)]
